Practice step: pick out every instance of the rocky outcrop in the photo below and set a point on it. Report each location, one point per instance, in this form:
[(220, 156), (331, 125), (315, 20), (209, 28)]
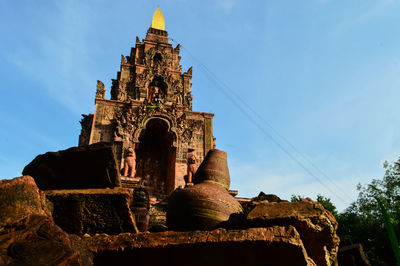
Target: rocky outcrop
[(19, 198), (270, 233), (269, 197), (93, 211), (91, 166), (316, 226), (36, 240), (28, 234), (275, 245)]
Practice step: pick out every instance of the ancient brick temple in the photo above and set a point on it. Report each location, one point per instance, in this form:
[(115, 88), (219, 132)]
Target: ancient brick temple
[(150, 110)]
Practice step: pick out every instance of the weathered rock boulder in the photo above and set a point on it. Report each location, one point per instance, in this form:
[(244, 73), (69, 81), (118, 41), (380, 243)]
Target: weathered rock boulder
[(36, 240), (19, 198), (93, 211), (91, 166), (316, 226), (276, 245), (28, 235), (269, 197)]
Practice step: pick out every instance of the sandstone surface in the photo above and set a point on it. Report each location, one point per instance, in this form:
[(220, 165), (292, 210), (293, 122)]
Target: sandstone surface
[(91, 166), (315, 225), (36, 240), (19, 198), (93, 211), (275, 245)]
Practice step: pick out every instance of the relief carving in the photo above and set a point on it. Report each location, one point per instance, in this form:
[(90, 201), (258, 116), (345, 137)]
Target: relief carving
[(143, 77), (109, 113), (131, 120), (177, 98), (121, 93), (188, 101)]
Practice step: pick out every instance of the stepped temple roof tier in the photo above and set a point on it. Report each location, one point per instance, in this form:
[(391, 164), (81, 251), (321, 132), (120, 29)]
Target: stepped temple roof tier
[(150, 110)]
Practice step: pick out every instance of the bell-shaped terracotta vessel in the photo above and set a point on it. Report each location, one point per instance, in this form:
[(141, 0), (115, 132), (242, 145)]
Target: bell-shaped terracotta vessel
[(206, 204), (200, 207), (214, 169)]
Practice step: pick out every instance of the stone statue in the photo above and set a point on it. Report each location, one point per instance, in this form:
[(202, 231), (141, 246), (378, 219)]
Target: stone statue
[(191, 170), (189, 99), (100, 92), (141, 207), (123, 59), (153, 93), (130, 163)]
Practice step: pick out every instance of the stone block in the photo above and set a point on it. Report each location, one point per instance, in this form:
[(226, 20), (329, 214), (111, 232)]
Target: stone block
[(19, 198), (275, 245), (91, 166), (36, 240), (316, 226), (93, 211)]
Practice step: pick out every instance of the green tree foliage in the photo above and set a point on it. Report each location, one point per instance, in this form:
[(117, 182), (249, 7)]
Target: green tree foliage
[(328, 205), (324, 201), (296, 198), (363, 222)]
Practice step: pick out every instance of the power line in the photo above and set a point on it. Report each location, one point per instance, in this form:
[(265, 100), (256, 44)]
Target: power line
[(248, 106), (226, 91)]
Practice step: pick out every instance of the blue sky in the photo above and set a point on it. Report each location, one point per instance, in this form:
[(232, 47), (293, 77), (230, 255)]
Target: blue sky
[(324, 74)]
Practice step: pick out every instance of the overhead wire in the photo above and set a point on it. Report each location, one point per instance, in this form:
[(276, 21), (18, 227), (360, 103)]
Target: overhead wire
[(249, 107), (224, 88)]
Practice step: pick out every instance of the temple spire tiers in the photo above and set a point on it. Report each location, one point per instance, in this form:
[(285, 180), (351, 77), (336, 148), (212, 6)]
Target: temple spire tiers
[(150, 111)]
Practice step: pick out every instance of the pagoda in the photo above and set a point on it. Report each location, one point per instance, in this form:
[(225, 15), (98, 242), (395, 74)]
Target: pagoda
[(150, 111)]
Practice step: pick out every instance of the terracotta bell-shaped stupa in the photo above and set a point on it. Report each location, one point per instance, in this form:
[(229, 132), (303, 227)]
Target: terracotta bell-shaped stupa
[(206, 204)]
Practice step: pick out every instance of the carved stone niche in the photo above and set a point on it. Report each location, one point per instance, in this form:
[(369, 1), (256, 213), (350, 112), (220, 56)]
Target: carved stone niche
[(157, 90)]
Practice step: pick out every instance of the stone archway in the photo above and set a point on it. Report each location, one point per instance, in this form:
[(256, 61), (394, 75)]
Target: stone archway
[(155, 156)]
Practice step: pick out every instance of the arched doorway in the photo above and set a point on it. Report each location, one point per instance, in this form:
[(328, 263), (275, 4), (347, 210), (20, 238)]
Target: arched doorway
[(155, 157)]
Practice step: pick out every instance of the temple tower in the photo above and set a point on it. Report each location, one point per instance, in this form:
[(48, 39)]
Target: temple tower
[(150, 110)]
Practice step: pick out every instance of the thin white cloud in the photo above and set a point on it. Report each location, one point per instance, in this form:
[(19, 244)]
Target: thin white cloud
[(227, 5), (252, 178), (360, 19), (59, 62)]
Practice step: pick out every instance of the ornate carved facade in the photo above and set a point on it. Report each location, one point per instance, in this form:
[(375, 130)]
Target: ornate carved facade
[(150, 110)]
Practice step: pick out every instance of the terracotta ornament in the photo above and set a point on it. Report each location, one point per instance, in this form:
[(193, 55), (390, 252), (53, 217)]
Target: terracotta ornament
[(191, 170), (130, 163)]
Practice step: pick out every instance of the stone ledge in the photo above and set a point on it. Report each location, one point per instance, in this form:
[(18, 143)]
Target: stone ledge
[(253, 246), (127, 191)]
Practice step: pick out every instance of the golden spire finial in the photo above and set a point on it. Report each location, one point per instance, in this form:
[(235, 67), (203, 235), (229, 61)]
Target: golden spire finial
[(158, 21)]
